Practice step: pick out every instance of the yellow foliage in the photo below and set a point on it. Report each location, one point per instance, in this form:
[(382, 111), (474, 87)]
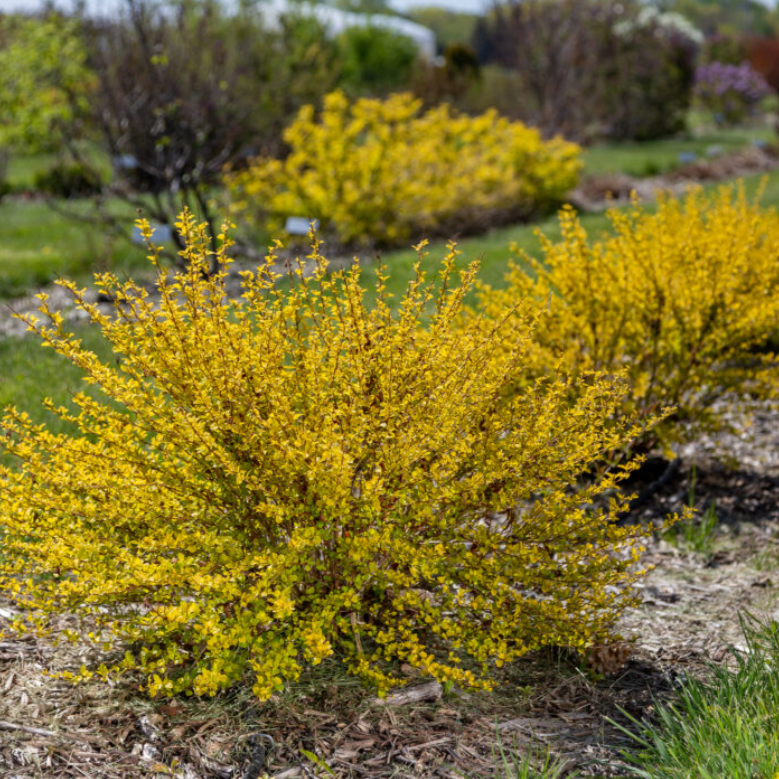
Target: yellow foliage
[(383, 171), (680, 301), (293, 475)]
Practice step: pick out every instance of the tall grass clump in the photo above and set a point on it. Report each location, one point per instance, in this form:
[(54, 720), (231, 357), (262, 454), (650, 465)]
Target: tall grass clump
[(723, 726), (270, 480)]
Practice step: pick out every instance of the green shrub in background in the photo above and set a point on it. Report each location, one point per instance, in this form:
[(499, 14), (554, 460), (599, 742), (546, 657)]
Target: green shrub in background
[(68, 180), (44, 81), (728, 48), (187, 87), (591, 68), (450, 80), (375, 60)]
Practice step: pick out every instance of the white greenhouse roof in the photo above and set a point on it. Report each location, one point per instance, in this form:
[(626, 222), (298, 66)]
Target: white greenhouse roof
[(334, 20)]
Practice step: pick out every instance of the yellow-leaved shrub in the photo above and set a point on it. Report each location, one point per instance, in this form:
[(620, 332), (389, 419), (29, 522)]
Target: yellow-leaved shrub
[(682, 302), (270, 480), (383, 171)]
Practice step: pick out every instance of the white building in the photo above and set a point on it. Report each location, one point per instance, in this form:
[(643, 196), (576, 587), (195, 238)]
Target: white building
[(334, 20)]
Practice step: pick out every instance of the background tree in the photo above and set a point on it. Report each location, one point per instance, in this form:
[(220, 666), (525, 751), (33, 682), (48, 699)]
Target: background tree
[(44, 81), (591, 68), (185, 90), (44, 84)]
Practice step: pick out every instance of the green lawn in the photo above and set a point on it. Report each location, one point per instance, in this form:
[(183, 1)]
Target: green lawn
[(652, 157), (23, 168), (38, 245)]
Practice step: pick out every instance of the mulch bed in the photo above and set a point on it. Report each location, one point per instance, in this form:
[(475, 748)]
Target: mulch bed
[(550, 700), (601, 191)]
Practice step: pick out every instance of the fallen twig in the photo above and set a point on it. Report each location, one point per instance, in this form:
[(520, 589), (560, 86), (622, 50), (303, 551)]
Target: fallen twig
[(43, 732), (424, 692)]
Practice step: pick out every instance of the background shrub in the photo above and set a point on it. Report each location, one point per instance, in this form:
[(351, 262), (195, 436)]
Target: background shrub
[(186, 87), (273, 480), (729, 92), (45, 82), (450, 77), (383, 171), (375, 60), (730, 49), (69, 180), (591, 68), (645, 78), (679, 300)]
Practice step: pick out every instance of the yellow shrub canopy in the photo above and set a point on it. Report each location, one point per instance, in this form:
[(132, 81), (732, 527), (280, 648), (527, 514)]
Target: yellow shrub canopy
[(292, 475), (682, 302), (384, 171)]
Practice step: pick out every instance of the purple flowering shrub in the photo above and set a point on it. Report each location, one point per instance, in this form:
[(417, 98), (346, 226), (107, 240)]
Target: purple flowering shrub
[(729, 92)]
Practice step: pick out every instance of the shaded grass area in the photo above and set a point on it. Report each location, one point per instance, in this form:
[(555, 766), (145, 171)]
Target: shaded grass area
[(23, 168), (649, 158), (38, 245)]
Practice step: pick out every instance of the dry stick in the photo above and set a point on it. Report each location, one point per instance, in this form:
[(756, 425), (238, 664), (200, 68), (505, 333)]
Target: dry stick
[(423, 692), (43, 732)]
